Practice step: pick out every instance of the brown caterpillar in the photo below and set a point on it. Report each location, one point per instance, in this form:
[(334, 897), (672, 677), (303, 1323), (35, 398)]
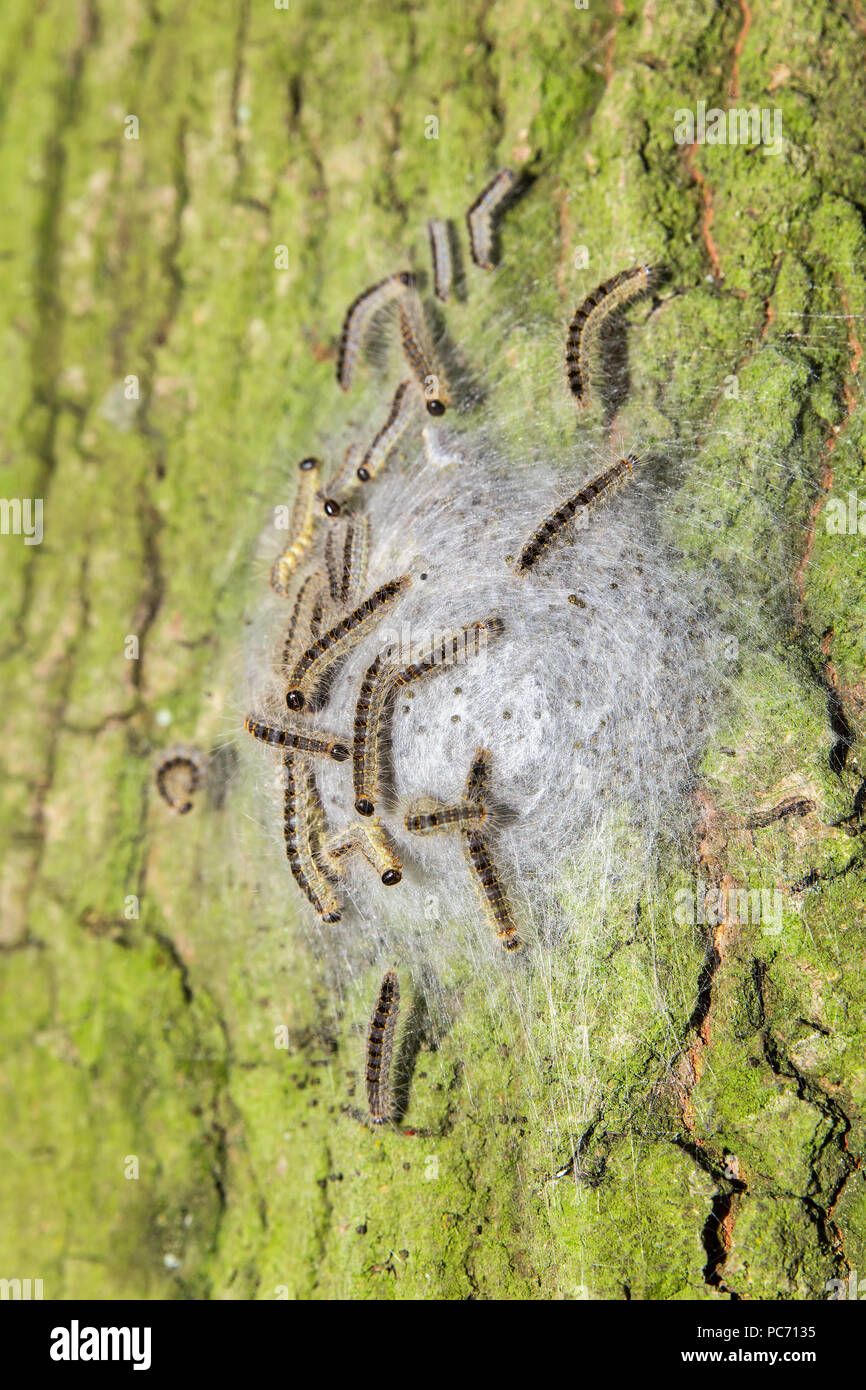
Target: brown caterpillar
[(398, 421), (373, 842), (550, 528), (307, 741), (303, 822), (494, 898), (589, 316), (344, 482), (333, 644), (358, 317), (346, 555), (381, 679), (480, 216), (479, 772), (380, 1044), (413, 337), (449, 649), (301, 527), (301, 621), (165, 774), (440, 254), (372, 698), (427, 817)]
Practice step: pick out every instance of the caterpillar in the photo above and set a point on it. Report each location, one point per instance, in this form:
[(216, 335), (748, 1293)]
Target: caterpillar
[(413, 337), (449, 649), (302, 620), (380, 1044), (440, 253), (398, 421), (494, 898), (303, 820), (301, 527), (342, 484), (347, 561), (549, 528), (358, 316), (479, 218), (427, 817), (302, 742), (479, 771), (165, 775), (373, 842), (372, 698), (381, 679), (588, 317), (333, 644)]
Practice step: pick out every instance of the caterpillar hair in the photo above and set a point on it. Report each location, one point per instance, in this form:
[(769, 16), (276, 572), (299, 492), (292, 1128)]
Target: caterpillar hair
[(480, 218), (413, 337), (493, 897), (399, 419), (589, 316), (177, 760), (301, 527), (380, 1044), (370, 840), (358, 317), (320, 656), (376, 688), (303, 822), (588, 494), (440, 254), (306, 741)]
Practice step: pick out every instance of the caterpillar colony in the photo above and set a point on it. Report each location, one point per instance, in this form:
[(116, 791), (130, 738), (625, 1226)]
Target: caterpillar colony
[(494, 647)]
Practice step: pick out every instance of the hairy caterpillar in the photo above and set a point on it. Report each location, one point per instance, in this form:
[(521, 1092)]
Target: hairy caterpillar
[(303, 821), (333, 644), (301, 527), (588, 317), (373, 696), (413, 338), (176, 760), (479, 218), (588, 494), (427, 817), (370, 840), (306, 741), (493, 896), (399, 419), (479, 772), (439, 236), (360, 312), (381, 679), (303, 620), (380, 1043), (449, 649)]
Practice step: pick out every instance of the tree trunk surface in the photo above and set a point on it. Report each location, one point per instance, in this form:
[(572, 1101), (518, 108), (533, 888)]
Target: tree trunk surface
[(193, 194)]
